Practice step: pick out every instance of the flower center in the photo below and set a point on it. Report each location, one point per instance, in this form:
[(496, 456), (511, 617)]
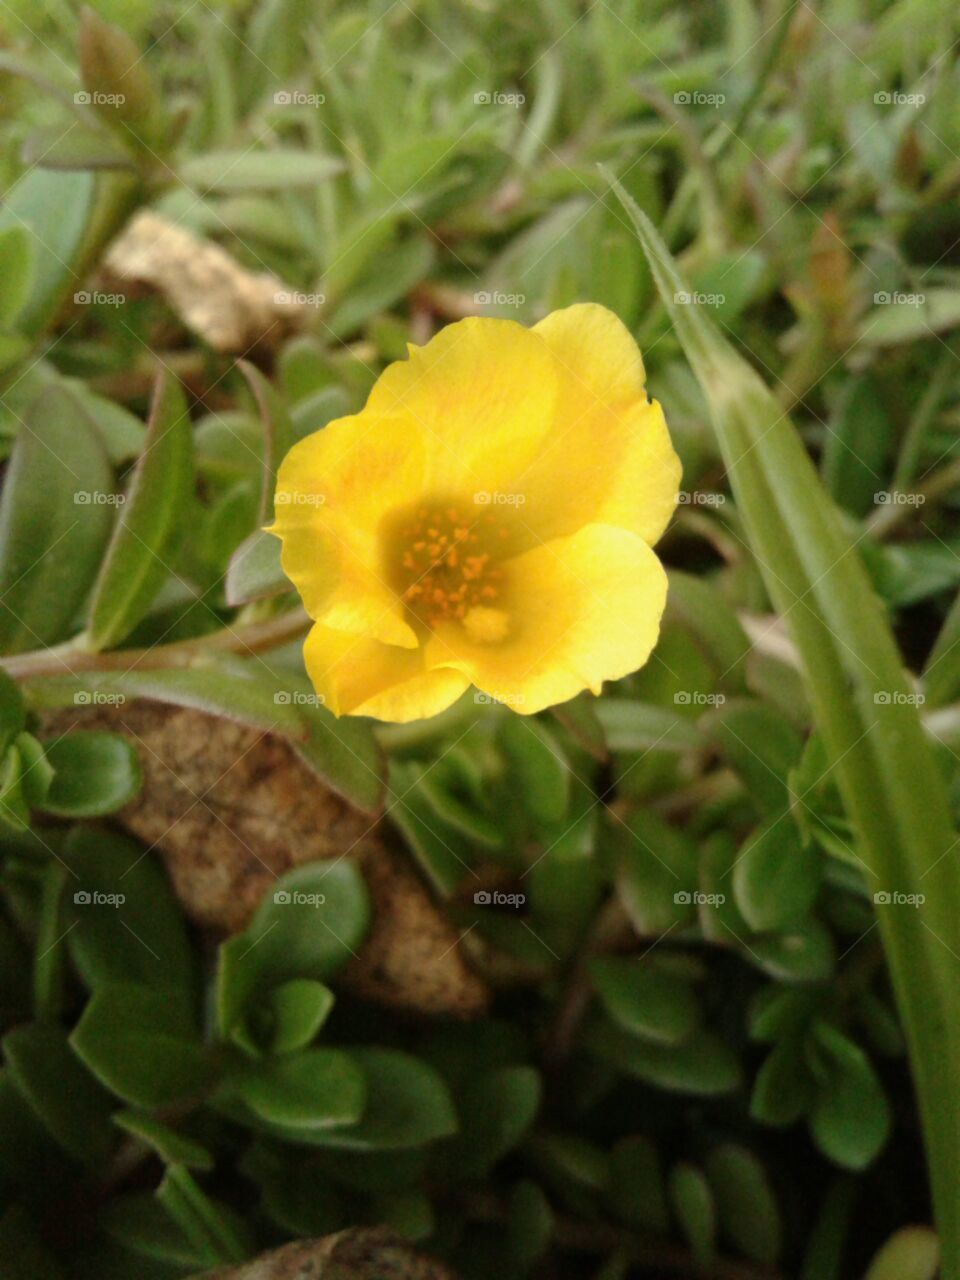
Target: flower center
[(445, 565)]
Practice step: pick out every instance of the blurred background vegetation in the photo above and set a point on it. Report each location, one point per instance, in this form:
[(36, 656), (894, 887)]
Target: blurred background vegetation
[(666, 1043)]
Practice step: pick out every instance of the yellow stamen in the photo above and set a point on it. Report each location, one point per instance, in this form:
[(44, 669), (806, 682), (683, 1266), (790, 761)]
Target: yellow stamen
[(439, 581)]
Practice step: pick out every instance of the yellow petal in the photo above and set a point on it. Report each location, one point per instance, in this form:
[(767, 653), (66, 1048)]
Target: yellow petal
[(581, 610), (359, 676), (334, 489), (484, 393), (597, 349), (608, 458)]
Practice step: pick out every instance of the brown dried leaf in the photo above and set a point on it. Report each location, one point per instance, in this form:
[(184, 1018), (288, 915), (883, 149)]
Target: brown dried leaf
[(227, 306), (231, 808), (361, 1253)]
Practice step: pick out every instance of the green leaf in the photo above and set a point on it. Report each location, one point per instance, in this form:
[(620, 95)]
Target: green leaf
[(308, 927), (37, 771), (804, 954), (300, 1094), (701, 1065), (297, 1011), (125, 923), (68, 1101), (13, 349), (172, 1147), (638, 1193), (95, 773), (937, 311), (912, 1253), (779, 1011), (209, 1226), (761, 745), (746, 1206), (408, 1104), (531, 1223), (278, 433), (54, 210), (258, 170), (891, 784), (121, 432), (538, 765), (577, 1167), (434, 846), (850, 1118), (580, 718), (394, 275), (639, 726), (656, 873), (49, 947), (699, 606), (826, 1249), (695, 1209), (54, 523), (344, 753), (143, 1227), (14, 810), (941, 676), (644, 1000), (17, 267), (79, 148), (115, 76), (137, 1043), (784, 1089), (775, 878), (150, 524), (908, 573), (254, 571), (452, 812), (857, 445), (496, 1110)]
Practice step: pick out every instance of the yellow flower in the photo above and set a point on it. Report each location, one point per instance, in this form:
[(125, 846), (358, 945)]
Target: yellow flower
[(487, 519)]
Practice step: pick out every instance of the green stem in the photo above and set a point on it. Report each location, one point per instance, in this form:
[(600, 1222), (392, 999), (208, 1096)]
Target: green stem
[(71, 658)]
